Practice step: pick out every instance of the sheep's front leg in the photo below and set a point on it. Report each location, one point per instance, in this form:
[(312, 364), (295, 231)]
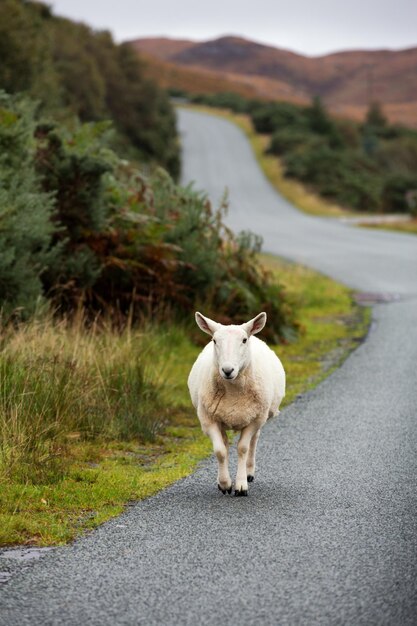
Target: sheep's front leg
[(221, 450), (241, 485), (251, 464)]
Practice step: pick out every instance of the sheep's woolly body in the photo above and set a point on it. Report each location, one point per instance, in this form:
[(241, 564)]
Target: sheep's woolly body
[(236, 383), (234, 405), (256, 393)]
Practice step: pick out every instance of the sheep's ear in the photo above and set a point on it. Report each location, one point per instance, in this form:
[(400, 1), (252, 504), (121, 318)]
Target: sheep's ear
[(255, 326), (206, 324)]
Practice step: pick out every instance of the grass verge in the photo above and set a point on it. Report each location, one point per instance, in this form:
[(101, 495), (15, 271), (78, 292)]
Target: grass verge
[(409, 228), (100, 474)]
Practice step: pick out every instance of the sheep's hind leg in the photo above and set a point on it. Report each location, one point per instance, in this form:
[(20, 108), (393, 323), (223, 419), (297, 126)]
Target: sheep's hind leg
[(251, 463), (241, 485), (221, 450)]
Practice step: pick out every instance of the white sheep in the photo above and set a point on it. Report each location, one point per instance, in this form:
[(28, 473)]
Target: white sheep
[(236, 383)]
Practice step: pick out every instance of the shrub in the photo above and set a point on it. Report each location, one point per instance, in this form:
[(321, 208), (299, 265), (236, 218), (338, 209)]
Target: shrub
[(219, 269), (398, 155), (375, 118), (89, 229), (223, 100), (286, 140), (320, 123), (268, 118), (346, 176), (26, 228), (71, 167), (349, 133), (396, 192)]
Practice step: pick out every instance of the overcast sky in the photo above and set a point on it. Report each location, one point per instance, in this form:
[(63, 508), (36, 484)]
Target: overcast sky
[(307, 26)]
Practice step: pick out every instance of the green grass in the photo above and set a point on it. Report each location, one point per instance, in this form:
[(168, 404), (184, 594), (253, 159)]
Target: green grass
[(90, 418), (99, 482), (85, 471)]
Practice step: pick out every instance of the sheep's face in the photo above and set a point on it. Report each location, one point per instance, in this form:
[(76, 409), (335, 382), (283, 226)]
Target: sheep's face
[(231, 343), (231, 350)]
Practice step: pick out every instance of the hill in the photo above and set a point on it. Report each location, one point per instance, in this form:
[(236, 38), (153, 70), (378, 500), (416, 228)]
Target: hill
[(346, 81)]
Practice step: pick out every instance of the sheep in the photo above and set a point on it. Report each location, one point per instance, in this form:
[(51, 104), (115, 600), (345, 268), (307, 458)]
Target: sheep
[(237, 383)]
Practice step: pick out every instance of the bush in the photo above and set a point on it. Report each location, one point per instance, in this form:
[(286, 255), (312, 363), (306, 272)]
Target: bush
[(346, 176), (349, 133), (286, 140), (267, 118), (223, 100), (26, 212), (345, 161), (375, 119), (320, 123), (397, 191), (90, 229), (220, 270), (398, 155)]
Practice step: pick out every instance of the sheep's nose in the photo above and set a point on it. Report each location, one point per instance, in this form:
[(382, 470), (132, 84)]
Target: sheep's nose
[(228, 371)]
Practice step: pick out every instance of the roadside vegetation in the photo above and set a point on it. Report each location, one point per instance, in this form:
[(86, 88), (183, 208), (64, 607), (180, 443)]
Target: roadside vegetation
[(82, 228), (75, 73), (95, 417), (103, 260), (409, 227), (342, 165)]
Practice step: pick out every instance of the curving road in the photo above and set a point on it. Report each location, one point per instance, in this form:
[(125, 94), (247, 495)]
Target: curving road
[(328, 535), (217, 155)]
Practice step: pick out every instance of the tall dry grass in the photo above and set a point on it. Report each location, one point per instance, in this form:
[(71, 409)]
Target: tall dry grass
[(60, 381)]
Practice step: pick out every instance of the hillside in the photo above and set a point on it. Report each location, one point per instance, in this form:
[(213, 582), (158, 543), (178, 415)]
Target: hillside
[(346, 81), (162, 47), (203, 81)]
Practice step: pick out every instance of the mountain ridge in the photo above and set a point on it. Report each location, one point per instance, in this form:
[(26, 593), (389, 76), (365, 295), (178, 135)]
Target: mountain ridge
[(166, 40), (345, 80)]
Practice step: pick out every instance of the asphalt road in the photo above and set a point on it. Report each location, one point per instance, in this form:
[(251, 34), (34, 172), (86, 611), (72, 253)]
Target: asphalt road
[(218, 157), (328, 534)]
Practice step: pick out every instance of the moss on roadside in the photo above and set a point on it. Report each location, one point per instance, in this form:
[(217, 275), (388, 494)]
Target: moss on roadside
[(94, 491)]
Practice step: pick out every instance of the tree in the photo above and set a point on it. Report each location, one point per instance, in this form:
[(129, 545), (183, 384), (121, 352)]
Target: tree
[(74, 71), (375, 117), (26, 212), (321, 123)]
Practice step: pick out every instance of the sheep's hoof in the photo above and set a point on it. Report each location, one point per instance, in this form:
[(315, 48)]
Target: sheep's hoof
[(242, 492), (250, 478), (224, 491)]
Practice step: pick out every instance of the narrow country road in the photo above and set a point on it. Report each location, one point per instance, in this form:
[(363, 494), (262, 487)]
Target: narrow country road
[(328, 534), (217, 155)]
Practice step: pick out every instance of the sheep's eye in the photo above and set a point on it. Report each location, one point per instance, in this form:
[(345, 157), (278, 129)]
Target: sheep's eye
[(214, 341), (244, 341)]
